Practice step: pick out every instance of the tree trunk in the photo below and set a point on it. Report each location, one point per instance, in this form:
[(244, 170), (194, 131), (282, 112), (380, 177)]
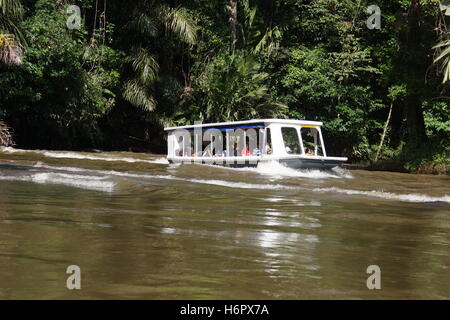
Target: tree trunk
[(384, 131), (416, 64), (415, 121), (232, 9)]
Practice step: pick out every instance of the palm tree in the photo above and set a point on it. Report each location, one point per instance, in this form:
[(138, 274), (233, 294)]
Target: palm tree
[(11, 39), (442, 48), (11, 12), (148, 20), (442, 59), (234, 88)]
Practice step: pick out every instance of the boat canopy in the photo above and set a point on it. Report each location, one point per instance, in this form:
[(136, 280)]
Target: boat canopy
[(249, 124), (225, 128), (258, 137)]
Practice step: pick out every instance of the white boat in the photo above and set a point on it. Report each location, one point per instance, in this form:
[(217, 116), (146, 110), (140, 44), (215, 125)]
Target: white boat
[(293, 143)]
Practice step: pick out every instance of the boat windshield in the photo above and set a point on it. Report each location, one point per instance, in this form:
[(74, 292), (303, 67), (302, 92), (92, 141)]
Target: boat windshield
[(291, 140)]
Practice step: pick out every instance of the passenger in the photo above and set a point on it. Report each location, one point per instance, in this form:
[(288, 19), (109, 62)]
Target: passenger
[(288, 149), (207, 153), (246, 152), (256, 152), (309, 152), (179, 148), (268, 148)]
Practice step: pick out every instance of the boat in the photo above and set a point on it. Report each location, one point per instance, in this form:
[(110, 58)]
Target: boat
[(297, 144)]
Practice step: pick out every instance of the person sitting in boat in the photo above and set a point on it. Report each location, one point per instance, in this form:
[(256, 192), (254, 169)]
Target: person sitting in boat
[(246, 152), (207, 152), (256, 152), (309, 152), (268, 148), (288, 149), (179, 148)]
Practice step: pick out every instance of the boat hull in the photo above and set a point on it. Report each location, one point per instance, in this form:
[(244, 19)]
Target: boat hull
[(223, 163), (294, 163), (310, 163)]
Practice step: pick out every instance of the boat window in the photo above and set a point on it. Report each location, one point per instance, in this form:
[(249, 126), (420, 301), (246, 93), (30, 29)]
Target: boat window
[(291, 140), (236, 143), (179, 147), (268, 144), (242, 142), (196, 143), (311, 142)]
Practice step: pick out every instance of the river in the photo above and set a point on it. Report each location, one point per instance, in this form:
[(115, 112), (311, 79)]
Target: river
[(139, 228)]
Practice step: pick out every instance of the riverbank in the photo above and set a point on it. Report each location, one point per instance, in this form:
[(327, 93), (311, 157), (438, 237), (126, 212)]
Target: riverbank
[(430, 158), (396, 166), (424, 167)]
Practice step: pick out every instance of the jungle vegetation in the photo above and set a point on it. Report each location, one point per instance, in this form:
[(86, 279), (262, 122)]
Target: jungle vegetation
[(131, 67)]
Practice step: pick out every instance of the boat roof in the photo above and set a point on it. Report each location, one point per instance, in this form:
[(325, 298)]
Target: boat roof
[(253, 122)]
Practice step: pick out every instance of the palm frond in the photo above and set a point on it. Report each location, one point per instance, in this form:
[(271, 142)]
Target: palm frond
[(139, 95), (442, 58), (444, 43), (442, 54), (257, 93), (12, 9), (179, 22), (144, 24), (446, 70), (145, 65), (11, 13), (270, 42)]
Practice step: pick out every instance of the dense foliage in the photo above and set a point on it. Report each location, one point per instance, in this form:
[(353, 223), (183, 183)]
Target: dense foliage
[(133, 67)]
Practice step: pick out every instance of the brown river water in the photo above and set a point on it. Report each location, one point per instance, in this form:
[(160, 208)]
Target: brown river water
[(141, 229)]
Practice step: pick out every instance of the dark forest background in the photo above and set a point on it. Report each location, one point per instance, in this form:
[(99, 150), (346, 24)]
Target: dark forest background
[(135, 66)]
